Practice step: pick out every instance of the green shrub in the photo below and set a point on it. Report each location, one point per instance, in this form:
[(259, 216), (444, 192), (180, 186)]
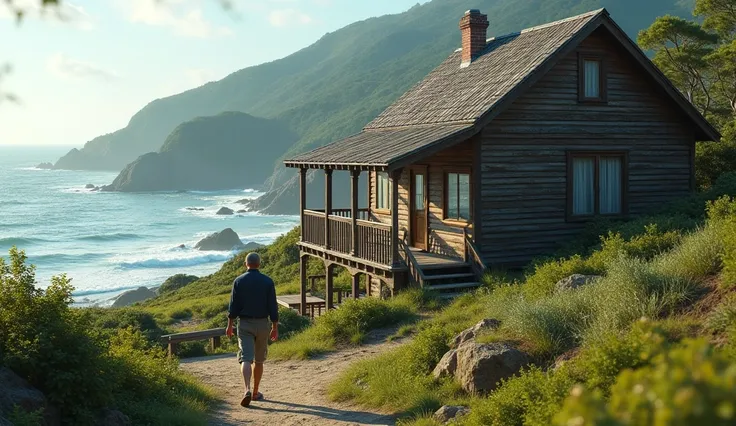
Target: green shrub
[(723, 316), (21, 417), (542, 282), (176, 282), (109, 320), (691, 384)]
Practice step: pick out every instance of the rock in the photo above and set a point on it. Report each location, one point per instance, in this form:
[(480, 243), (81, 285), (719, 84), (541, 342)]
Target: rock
[(470, 333), (133, 296), (225, 211), (114, 418), (481, 366), (225, 240), (449, 412), (46, 166), (243, 211), (574, 281), (196, 209), (447, 365), (4, 421), (252, 246), (181, 246), (15, 391), (89, 186)]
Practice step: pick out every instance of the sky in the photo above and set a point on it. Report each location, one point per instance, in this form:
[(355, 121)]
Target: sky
[(83, 70)]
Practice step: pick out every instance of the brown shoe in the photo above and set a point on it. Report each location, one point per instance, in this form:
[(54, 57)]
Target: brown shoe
[(246, 399)]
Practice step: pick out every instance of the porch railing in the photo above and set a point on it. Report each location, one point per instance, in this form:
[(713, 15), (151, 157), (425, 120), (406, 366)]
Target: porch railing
[(362, 213), (372, 242), (472, 256), (415, 272)]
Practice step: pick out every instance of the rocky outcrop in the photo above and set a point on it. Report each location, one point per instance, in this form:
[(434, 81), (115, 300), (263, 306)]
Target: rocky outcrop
[(89, 186), (46, 166), (133, 296), (16, 392), (447, 365), (447, 413), (225, 240), (225, 211), (472, 332), (480, 367), (574, 281), (114, 418), (225, 151)]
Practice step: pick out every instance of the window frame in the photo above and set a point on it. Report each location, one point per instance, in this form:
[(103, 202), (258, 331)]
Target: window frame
[(571, 155), (602, 78), (387, 209), (445, 198)]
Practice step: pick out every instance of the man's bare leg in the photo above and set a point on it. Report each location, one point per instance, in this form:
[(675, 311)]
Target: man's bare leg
[(245, 368), (257, 374)]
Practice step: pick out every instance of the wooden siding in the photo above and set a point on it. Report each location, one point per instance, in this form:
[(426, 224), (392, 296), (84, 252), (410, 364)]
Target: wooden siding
[(444, 237), (523, 153)]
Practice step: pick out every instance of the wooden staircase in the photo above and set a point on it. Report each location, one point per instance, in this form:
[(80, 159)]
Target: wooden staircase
[(448, 276)]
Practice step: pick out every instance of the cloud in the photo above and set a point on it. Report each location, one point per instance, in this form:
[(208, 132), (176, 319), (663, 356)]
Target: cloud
[(183, 17), (68, 68), (67, 13), (286, 17)]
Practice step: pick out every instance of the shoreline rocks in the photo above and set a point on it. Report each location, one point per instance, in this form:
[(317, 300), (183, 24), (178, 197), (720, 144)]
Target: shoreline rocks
[(225, 240), (45, 166), (225, 211)]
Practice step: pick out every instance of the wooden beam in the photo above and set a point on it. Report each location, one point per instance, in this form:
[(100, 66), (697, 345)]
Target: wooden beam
[(302, 199), (395, 176), (328, 206), (367, 285), (354, 178), (356, 286), (303, 285), (329, 267), (475, 196)]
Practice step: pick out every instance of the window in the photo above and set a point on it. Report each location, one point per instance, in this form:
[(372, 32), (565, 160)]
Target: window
[(457, 196), (596, 184), (383, 191), (592, 76)]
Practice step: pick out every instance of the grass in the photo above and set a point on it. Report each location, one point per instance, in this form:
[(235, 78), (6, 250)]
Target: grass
[(350, 323), (654, 274)]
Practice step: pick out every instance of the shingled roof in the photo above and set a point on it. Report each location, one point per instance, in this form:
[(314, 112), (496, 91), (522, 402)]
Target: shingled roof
[(453, 102)]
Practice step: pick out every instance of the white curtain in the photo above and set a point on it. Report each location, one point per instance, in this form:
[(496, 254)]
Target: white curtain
[(583, 191), (383, 191), (592, 79), (464, 197), (609, 185)]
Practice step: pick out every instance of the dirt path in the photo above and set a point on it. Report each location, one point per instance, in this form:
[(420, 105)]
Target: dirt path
[(295, 391)]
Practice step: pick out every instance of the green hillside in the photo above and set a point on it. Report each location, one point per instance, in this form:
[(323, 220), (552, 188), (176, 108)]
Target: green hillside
[(333, 87), (206, 153)]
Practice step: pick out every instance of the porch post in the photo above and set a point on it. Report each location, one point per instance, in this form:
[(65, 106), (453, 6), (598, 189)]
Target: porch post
[(302, 199), (303, 285), (367, 284), (354, 176), (328, 205), (395, 175), (356, 286), (329, 267)]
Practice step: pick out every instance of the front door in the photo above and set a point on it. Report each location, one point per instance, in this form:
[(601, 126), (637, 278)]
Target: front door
[(419, 208)]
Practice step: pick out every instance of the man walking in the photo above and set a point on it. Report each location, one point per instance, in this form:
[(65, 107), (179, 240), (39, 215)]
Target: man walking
[(253, 301)]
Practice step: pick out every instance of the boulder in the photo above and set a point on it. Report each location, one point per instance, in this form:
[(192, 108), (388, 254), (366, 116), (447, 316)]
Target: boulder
[(225, 240), (242, 211), (176, 282), (196, 209), (481, 366), (15, 391), (446, 413), (47, 166), (470, 333), (133, 296), (114, 418), (225, 211), (89, 186), (574, 281), (447, 365)]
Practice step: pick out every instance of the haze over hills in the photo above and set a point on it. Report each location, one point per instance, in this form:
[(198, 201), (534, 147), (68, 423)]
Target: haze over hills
[(335, 86), (208, 153)]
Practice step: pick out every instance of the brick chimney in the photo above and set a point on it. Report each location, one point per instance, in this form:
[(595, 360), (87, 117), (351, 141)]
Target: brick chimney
[(473, 26)]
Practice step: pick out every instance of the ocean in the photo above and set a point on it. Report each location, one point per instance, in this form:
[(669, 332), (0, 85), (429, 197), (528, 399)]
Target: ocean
[(111, 242)]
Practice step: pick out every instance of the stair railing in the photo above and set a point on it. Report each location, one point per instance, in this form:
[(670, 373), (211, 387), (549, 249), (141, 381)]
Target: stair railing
[(471, 256), (415, 272)]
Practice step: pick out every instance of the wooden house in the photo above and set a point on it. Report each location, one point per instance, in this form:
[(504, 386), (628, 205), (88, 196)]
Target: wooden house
[(502, 153)]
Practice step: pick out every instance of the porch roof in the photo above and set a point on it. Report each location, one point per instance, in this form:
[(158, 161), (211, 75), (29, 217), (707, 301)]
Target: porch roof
[(382, 148)]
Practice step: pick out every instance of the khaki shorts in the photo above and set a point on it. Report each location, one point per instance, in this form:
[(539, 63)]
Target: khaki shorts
[(253, 337)]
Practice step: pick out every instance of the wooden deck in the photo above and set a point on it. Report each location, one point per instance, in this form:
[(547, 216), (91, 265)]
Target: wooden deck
[(293, 301), (433, 260)]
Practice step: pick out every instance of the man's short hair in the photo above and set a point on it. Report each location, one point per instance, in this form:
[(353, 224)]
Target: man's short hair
[(253, 259)]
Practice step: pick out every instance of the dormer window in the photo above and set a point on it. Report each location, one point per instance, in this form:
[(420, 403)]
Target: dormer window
[(592, 78)]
